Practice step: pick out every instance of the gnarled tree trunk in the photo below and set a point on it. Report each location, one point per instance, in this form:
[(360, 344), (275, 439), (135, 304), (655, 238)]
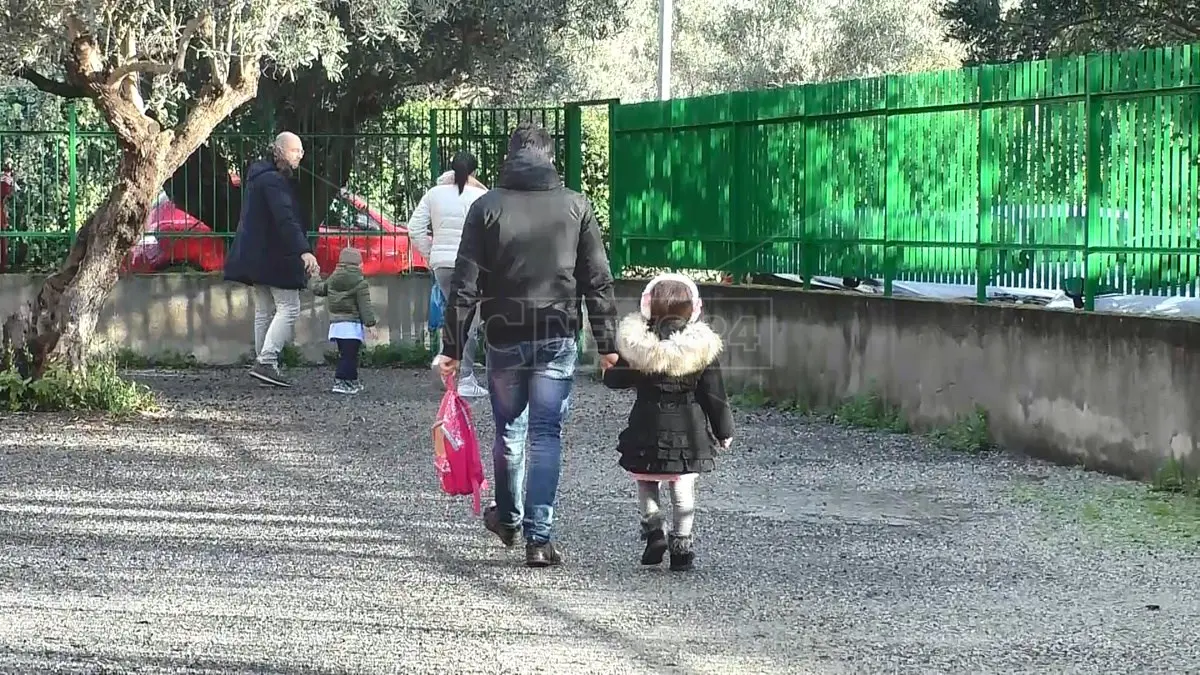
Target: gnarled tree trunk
[(57, 326), (60, 322)]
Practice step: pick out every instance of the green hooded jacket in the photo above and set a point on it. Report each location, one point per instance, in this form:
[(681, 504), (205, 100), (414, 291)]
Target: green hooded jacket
[(346, 292)]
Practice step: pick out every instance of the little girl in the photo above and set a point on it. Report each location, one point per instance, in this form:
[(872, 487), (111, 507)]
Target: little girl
[(670, 357), (348, 301)]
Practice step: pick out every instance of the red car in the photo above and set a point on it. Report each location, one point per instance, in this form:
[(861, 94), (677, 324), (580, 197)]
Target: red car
[(385, 246)]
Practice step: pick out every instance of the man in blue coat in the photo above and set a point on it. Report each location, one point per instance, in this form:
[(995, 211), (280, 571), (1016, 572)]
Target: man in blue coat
[(271, 253)]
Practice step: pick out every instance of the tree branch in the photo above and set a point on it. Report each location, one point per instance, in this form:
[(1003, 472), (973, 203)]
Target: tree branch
[(51, 85), (147, 66), (153, 67), (223, 66), (203, 117)]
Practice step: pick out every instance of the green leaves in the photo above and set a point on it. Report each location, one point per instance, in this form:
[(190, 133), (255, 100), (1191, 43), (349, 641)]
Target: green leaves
[(100, 389)]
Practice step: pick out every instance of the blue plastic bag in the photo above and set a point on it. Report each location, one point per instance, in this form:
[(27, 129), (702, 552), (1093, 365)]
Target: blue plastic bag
[(437, 308)]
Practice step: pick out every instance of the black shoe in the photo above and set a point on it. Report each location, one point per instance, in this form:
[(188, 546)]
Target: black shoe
[(682, 557), (542, 555), (269, 374), (491, 520), (656, 542)]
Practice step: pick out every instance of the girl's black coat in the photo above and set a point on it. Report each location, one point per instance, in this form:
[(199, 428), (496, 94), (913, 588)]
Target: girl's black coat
[(680, 394)]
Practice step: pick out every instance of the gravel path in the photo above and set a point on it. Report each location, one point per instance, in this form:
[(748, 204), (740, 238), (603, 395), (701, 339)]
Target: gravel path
[(251, 530)]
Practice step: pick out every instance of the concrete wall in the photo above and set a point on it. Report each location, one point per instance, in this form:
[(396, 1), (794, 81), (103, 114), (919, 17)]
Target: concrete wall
[(1111, 392), (214, 321)]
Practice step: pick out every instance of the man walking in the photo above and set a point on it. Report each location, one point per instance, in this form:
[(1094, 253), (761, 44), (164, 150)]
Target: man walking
[(530, 250), (271, 253)]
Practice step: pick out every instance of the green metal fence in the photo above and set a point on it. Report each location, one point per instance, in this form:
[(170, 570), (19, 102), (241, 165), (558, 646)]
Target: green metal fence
[(1028, 174), (484, 132), (360, 186)]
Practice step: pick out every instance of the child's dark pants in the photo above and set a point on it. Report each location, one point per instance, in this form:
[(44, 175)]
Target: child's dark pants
[(347, 365)]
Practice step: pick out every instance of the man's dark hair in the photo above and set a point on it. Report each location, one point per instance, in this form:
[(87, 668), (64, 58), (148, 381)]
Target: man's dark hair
[(531, 137)]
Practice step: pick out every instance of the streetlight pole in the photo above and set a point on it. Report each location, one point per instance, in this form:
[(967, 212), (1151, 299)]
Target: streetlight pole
[(666, 19)]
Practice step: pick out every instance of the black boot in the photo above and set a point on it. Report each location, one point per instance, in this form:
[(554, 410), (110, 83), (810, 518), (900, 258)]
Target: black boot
[(507, 535), (542, 555), (656, 541), (682, 557)]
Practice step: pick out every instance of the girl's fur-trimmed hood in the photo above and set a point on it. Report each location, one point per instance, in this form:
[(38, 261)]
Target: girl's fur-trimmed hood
[(689, 350)]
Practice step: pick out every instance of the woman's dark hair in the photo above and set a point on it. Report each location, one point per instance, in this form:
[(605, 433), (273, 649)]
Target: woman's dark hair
[(464, 164), (670, 300)]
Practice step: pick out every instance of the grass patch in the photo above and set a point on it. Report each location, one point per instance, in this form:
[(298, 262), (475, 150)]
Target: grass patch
[(390, 355), (870, 411), (1175, 478), (1117, 515), (969, 434), (101, 389), (169, 360), (751, 398), (291, 357)]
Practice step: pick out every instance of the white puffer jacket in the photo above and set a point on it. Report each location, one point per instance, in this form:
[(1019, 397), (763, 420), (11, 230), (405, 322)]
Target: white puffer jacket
[(436, 225)]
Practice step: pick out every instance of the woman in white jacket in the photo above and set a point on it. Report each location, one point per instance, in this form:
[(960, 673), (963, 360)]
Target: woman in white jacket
[(435, 230)]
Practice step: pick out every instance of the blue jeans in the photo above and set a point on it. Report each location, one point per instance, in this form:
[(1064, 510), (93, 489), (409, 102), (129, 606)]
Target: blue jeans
[(347, 363), (530, 385)]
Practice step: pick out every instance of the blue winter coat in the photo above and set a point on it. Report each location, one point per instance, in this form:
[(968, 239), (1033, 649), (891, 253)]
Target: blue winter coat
[(271, 236)]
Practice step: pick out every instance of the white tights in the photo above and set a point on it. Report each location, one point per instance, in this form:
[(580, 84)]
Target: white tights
[(683, 503)]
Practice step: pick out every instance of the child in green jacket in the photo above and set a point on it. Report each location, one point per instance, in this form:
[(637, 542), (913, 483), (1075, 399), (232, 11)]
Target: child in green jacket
[(348, 301)]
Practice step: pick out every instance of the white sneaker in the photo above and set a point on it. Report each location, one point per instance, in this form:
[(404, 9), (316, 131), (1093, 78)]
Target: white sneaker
[(469, 387)]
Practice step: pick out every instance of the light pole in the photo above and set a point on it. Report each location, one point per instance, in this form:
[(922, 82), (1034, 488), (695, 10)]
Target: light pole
[(666, 19)]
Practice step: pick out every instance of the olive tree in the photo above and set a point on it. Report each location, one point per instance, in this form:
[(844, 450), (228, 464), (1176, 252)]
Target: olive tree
[(129, 59), (1011, 30)]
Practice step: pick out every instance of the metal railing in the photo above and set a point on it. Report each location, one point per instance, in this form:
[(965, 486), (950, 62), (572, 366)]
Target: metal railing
[(1041, 174), (359, 189)]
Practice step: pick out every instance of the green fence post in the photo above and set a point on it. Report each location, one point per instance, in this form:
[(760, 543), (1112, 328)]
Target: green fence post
[(616, 250), (435, 161), (72, 168), (889, 251), (983, 191), (435, 337), (573, 121), (573, 118), (810, 252), (1092, 128), (464, 129)]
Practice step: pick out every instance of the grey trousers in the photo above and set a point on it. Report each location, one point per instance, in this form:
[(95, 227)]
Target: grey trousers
[(467, 368)]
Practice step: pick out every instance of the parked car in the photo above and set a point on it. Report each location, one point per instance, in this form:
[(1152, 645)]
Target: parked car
[(351, 222)]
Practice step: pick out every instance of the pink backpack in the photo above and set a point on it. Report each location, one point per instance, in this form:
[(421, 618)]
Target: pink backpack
[(456, 448)]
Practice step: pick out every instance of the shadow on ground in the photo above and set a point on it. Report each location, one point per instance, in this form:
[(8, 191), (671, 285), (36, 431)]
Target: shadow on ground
[(253, 530)]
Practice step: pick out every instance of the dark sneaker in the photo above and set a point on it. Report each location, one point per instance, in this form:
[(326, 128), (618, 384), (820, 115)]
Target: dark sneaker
[(491, 520), (343, 387), (542, 555), (656, 542), (269, 374), (682, 557)]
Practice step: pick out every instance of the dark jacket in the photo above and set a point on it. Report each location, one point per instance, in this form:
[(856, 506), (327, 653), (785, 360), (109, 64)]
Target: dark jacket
[(346, 292), (680, 394), (270, 237), (530, 250)]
